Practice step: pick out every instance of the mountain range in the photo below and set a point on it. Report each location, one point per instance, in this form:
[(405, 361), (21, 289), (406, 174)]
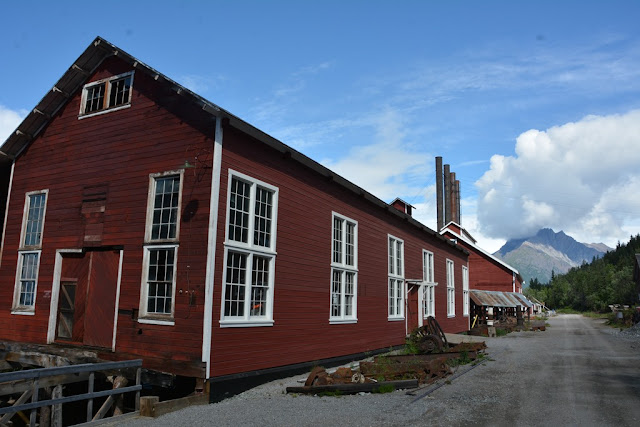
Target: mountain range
[(546, 252)]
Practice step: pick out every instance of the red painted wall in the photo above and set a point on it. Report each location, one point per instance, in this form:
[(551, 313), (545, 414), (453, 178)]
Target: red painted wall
[(301, 331), (119, 148), (486, 274)]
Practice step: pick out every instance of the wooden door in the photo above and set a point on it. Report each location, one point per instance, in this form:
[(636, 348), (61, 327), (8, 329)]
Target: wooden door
[(87, 301), (101, 299)]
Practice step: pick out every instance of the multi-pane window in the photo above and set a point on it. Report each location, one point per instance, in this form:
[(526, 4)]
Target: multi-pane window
[(247, 285), (344, 273), (451, 290), (427, 267), (428, 300), (107, 94), (95, 98), (28, 272), (251, 209), (166, 207), (29, 252), (396, 278), (428, 285), (465, 290), (250, 252), (160, 259), (120, 91), (160, 280)]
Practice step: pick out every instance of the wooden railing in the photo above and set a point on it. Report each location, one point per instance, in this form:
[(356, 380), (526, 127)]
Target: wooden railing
[(29, 383)]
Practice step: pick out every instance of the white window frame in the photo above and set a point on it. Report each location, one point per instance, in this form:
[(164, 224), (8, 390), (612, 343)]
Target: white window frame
[(250, 250), (23, 250), (343, 268), (169, 243), (107, 95), (465, 291), (451, 289), (156, 318), (428, 288), (151, 205), (17, 307), (395, 283)]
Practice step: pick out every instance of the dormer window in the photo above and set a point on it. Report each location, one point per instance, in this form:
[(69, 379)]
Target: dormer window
[(108, 94)]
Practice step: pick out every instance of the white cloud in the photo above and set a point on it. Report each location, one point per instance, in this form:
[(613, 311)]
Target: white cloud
[(285, 96), (9, 121), (388, 167), (200, 84), (580, 177)]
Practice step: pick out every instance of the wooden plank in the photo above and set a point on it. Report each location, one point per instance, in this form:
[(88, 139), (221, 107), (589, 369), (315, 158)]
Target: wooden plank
[(353, 388), (23, 398), (167, 406)]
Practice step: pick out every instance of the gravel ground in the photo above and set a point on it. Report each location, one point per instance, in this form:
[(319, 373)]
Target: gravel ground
[(578, 372)]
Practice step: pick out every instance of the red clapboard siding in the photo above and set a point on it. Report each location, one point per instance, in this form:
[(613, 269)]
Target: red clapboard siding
[(487, 274), (120, 149), (301, 330)]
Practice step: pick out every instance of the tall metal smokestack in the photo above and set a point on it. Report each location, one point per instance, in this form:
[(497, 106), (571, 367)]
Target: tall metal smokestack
[(458, 209), (453, 212), (447, 194), (439, 193)]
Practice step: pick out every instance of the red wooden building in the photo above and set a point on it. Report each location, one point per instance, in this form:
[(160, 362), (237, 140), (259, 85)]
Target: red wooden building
[(145, 221), (488, 273)]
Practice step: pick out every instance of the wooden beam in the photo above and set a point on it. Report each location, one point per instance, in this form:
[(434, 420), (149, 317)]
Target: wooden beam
[(22, 399), (353, 388), (18, 386)]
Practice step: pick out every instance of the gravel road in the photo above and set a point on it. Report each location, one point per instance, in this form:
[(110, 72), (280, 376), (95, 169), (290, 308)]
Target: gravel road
[(577, 372)]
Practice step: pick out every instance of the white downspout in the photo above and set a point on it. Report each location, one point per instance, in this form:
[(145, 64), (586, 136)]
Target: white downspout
[(211, 247)]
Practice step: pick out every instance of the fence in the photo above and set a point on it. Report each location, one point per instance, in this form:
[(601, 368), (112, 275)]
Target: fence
[(29, 382)]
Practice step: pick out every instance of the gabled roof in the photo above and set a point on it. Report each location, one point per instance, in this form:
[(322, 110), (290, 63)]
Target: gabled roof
[(478, 248), (398, 199), (463, 231), (76, 76)]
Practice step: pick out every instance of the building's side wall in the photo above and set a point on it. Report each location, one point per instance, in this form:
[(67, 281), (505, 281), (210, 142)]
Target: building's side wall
[(120, 149), (301, 331), (486, 274)]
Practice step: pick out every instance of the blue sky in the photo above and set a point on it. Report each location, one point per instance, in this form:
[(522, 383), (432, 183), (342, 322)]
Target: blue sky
[(535, 105)]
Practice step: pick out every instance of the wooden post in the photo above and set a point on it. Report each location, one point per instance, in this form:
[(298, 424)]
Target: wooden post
[(119, 382), (147, 405), (138, 381), (90, 401), (56, 410), (45, 411), (34, 399)]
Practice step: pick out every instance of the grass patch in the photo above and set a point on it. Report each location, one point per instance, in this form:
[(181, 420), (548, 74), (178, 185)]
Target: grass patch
[(500, 332), (462, 360), (336, 393), (384, 388)]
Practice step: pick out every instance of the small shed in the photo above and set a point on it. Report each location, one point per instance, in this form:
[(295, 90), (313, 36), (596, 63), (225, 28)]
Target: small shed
[(501, 303)]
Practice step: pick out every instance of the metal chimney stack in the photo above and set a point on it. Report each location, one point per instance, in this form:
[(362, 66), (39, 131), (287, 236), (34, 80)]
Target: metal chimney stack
[(447, 195), (439, 193)]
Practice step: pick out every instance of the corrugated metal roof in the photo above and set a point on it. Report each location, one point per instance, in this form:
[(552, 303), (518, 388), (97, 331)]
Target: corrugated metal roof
[(499, 299)]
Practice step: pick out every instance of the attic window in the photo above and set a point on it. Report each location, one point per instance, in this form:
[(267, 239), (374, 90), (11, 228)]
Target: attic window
[(106, 94)]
